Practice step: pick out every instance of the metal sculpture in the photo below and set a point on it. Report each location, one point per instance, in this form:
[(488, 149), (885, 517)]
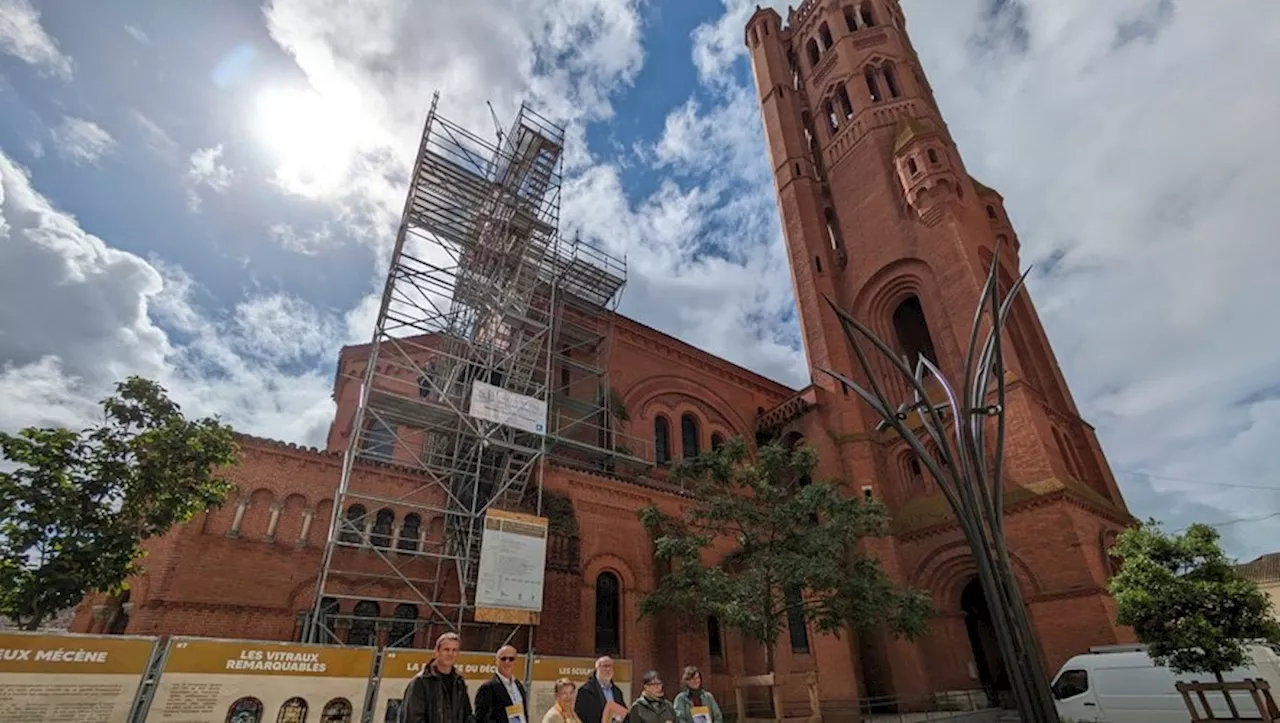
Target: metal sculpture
[(972, 483)]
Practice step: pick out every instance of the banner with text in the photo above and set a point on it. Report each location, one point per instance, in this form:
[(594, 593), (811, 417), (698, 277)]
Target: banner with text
[(243, 681), (548, 669), (513, 562), (58, 677)]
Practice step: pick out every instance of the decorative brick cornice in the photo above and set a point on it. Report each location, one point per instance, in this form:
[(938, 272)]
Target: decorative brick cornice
[(1067, 594), (1026, 498), (676, 350)]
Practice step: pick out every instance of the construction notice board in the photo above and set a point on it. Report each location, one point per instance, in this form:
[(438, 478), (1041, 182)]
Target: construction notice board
[(400, 665), (245, 681), (547, 670), (61, 678), (513, 563)]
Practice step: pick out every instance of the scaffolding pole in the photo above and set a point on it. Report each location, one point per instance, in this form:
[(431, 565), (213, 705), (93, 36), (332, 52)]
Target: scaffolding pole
[(481, 293)]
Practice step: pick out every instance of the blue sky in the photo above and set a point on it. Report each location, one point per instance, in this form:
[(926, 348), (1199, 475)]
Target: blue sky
[(205, 193)]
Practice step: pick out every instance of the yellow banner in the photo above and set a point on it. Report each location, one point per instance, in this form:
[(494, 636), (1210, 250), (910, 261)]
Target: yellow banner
[(58, 677), (76, 654), (248, 657), (549, 669), (215, 681)]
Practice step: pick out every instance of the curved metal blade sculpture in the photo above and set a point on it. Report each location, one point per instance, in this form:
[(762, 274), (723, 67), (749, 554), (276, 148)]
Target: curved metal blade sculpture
[(972, 483)]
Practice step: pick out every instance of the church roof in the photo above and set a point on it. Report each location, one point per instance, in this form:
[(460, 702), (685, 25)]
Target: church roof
[(982, 187), (910, 129), (1263, 569)]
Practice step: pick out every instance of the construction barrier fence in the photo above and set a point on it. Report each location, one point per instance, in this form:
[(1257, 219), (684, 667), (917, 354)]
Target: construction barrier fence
[(71, 678)]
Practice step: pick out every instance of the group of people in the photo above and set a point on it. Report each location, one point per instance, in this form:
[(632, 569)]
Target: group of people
[(438, 694)]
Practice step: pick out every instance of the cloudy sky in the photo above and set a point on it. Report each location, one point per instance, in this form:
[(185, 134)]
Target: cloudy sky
[(205, 193)]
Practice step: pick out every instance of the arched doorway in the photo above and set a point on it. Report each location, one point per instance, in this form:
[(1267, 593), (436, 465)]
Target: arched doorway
[(992, 673)]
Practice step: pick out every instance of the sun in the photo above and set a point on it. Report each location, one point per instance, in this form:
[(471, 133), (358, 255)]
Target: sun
[(313, 139)]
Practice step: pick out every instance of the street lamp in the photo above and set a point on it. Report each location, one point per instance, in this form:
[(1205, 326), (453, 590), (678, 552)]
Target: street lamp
[(971, 483)]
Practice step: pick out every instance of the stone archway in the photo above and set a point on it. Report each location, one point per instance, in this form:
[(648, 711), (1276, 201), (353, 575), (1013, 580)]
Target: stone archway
[(992, 671)]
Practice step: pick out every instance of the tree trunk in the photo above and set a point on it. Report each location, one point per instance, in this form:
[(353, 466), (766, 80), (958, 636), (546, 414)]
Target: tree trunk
[(1231, 704)]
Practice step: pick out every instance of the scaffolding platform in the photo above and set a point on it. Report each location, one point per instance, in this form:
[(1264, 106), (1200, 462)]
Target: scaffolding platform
[(480, 287)]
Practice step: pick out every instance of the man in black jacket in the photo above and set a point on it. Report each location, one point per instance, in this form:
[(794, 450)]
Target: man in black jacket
[(502, 691), (438, 694), (597, 692)]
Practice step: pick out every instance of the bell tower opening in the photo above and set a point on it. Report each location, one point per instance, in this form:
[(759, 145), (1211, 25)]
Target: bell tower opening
[(913, 331)]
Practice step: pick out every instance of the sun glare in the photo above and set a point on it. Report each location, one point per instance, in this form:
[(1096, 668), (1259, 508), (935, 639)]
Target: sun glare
[(313, 139)]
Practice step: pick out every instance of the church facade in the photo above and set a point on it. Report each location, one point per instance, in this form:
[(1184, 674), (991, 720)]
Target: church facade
[(879, 215)]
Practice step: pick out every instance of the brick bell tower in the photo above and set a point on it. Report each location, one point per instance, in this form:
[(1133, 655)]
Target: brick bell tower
[(880, 214)]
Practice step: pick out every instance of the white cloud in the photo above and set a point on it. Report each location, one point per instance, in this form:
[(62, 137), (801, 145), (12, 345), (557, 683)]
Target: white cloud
[(157, 138), (81, 141), (78, 315), (22, 36), (307, 243), (137, 34), (205, 168)]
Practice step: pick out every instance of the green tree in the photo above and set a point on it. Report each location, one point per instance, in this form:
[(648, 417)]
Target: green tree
[(1186, 601), (75, 507), (791, 535)]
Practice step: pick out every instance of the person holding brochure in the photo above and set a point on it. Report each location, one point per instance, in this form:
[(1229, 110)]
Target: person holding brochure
[(438, 693), (693, 704), (599, 700), (562, 711), (651, 707), (502, 698)]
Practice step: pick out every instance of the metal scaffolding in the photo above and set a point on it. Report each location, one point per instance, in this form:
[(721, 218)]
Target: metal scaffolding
[(482, 294)]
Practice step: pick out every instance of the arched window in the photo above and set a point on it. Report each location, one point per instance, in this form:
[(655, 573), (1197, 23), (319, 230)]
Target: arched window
[(717, 440), (689, 436), (873, 88), (868, 20), (661, 440), (912, 168), (337, 710), (379, 441), (796, 624), (991, 211), (933, 156), (323, 632), (361, 631), (833, 120), (824, 32), (846, 106), (293, 710), (410, 532), (715, 644), (850, 18), (833, 228), (811, 49), (608, 614), (402, 627), (891, 80), (913, 332), (245, 710), (380, 536), (353, 525)]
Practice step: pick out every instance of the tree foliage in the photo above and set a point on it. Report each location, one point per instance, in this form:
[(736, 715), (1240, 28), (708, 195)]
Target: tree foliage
[(76, 506), (787, 535), (1186, 601)]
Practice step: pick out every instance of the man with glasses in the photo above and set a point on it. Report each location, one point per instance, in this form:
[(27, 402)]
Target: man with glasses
[(598, 694), (502, 698)]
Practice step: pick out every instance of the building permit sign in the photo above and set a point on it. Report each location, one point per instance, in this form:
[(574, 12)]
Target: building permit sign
[(513, 560), (495, 404)]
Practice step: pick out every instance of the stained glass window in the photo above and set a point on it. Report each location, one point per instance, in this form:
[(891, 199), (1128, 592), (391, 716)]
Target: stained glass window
[(245, 710)]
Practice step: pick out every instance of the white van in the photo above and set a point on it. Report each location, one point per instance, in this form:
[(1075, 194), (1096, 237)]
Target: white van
[(1122, 684)]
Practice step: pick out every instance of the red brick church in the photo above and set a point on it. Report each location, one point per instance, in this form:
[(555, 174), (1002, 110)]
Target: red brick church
[(879, 214)]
